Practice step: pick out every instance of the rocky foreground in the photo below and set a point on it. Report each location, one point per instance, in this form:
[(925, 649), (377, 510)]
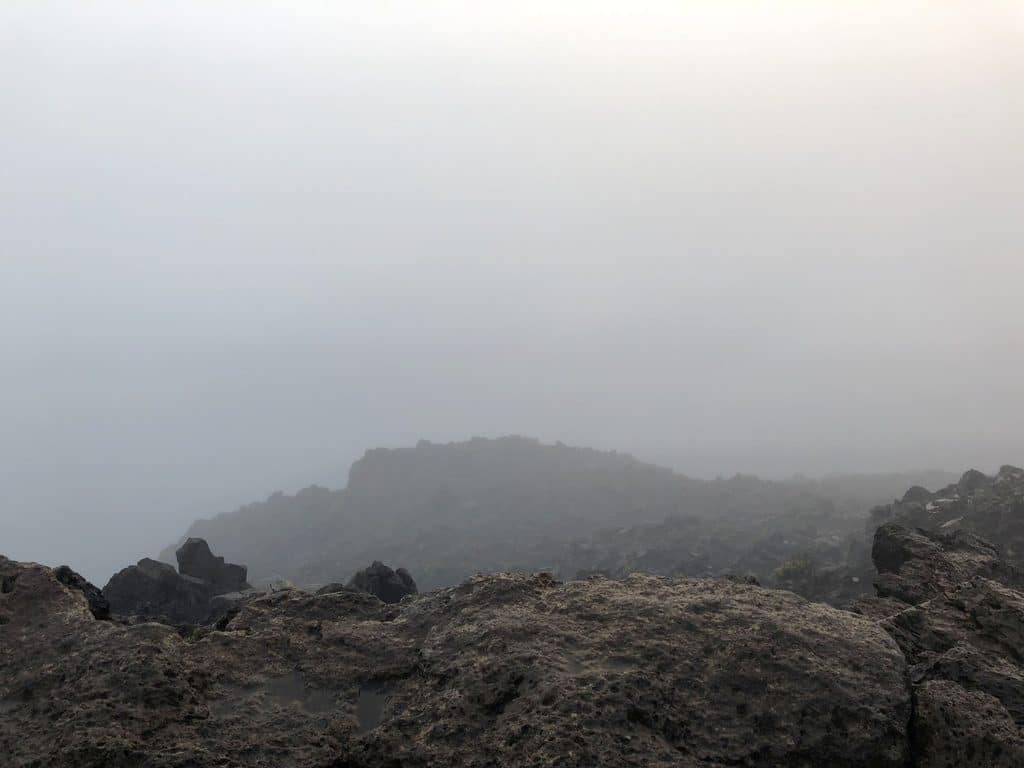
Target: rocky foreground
[(525, 671)]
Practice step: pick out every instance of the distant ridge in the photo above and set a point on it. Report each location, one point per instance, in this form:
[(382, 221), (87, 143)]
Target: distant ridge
[(447, 511)]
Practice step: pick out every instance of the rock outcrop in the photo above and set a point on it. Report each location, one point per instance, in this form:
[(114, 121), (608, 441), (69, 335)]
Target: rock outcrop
[(195, 559), (957, 611), (154, 590), (502, 670), (202, 592), (381, 581), (991, 507), (98, 604)]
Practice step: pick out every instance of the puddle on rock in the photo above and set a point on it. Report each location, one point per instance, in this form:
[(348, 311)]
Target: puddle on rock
[(291, 689), (370, 705), (283, 691)]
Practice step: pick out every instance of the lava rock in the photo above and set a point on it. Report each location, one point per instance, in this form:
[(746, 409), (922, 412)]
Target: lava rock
[(502, 670), (155, 590), (195, 559), (914, 566), (956, 609), (387, 584), (98, 604)]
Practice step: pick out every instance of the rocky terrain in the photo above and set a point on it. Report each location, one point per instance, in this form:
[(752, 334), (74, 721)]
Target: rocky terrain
[(449, 511), (956, 609), (525, 670), (502, 670), (992, 507)]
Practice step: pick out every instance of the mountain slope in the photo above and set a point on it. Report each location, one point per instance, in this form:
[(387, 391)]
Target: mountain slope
[(448, 511)]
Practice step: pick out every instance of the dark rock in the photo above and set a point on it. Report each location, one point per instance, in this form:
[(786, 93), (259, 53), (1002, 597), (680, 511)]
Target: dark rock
[(991, 507), (388, 585), (230, 603), (957, 727), (972, 480), (503, 670), (195, 559), (155, 590), (956, 609), (914, 566), (917, 494), (98, 604)]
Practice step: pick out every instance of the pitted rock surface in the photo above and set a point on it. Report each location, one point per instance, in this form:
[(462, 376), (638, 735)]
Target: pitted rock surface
[(502, 670)]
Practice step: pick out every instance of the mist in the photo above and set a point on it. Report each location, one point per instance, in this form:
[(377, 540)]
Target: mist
[(242, 243)]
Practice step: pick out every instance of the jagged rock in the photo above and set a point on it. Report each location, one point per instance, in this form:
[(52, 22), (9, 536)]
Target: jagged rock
[(98, 604), (914, 566), (992, 507), (956, 609), (155, 590), (390, 586), (502, 670), (195, 559)]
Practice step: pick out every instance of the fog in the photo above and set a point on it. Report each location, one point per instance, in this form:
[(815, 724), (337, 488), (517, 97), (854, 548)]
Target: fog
[(241, 242)]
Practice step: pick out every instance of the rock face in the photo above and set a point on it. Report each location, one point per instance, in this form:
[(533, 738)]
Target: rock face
[(98, 604), (957, 611), (379, 580), (502, 670), (155, 590), (195, 559), (991, 507), (914, 566)]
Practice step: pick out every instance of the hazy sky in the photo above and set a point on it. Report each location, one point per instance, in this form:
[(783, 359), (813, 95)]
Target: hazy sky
[(240, 242)]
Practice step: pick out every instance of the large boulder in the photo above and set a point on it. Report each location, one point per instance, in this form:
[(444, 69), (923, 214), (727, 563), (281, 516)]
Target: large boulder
[(502, 670), (195, 559), (154, 590), (387, 584)]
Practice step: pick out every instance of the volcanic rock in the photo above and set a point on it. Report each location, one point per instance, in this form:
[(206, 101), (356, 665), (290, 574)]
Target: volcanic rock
[(956, 609), (503, 670), (98, 604), (380, 580), (156, 591), (195, 559), (914, 566)]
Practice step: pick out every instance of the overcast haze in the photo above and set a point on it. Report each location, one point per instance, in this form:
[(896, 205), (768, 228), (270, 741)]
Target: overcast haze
[(243, 241)]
